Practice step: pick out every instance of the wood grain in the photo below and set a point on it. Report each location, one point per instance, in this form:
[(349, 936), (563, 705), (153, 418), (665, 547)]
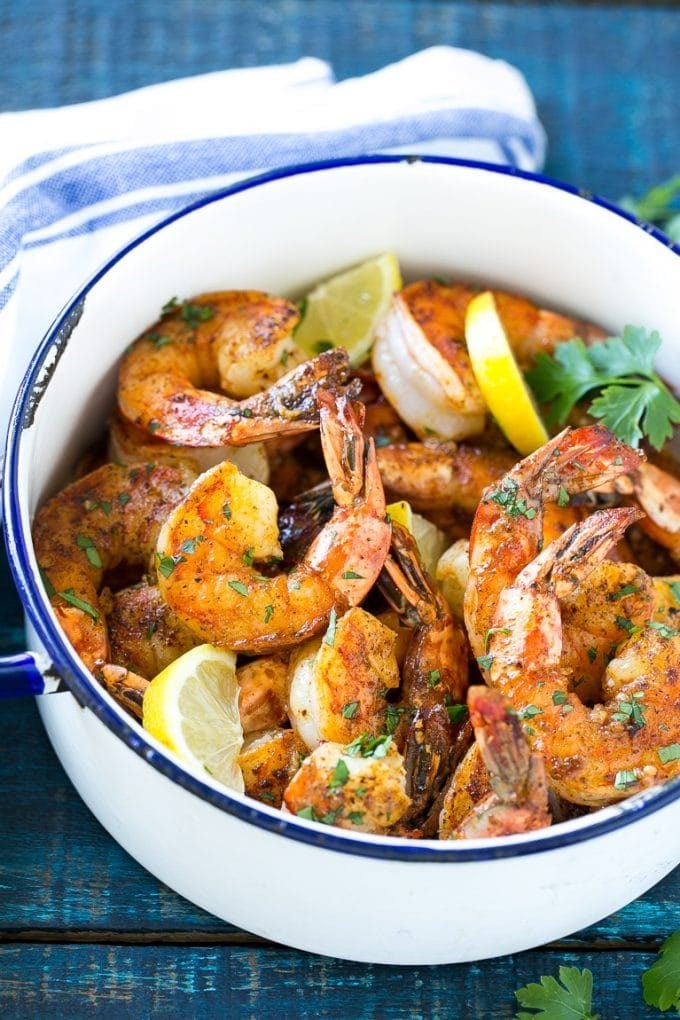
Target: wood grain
[(119, 982)]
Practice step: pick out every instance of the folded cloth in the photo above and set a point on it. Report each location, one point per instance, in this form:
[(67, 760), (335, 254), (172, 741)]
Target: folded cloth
[(77, 183)]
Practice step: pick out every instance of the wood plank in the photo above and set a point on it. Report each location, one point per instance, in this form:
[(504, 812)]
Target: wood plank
[(60, 870), (217, 982), (605, 78)]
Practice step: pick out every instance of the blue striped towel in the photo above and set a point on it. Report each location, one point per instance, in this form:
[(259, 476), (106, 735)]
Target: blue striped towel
[(78, 182)]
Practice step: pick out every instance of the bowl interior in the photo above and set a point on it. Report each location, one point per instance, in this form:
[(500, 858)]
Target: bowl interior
[(289, 231)]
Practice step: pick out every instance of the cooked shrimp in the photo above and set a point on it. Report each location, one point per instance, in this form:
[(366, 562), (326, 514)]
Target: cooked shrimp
[(263, 693), (439, 476), (125, 686), (209, 548), (145, 636), (161, 374), (109, 517), (518, 797), (357, 786), (128, 444), (421, 362), (268, 762), (434, 674), (420, 357), (338, 685), (508, 525), (593, 755), (658, 493)]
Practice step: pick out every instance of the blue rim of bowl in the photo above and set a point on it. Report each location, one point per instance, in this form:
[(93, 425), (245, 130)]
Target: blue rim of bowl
[(85, 688)]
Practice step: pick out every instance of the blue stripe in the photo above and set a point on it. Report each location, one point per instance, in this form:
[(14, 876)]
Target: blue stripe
[(8, 290), (105, 177)]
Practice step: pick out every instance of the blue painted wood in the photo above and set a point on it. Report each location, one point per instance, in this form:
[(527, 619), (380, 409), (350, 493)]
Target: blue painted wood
[(605, 77), (606, 83), (120, 982)]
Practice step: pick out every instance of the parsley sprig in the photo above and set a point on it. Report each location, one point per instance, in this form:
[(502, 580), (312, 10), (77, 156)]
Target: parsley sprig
[(661, 983), (570, 998), (633, 401), (660, 206)]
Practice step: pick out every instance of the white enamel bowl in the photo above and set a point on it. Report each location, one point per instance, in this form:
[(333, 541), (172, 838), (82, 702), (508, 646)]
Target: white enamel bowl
[(314, 887)]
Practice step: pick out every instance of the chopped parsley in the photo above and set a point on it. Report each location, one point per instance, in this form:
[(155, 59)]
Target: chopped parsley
[(369, 747), (669, 753), (194, 315), (592, 653), (124, 498), (625, 624), (506, 497), (349, 575), (559, 698), (675, 589), (339, 775), (226, 511), (309, 813), (49, 587), (170, 306), (625, 779), (632, 712), (530, 711), (151, 629), (268, 613), (562, 496), (663, 629), (485, 661), (239, 587), (356, 817), (248, 557), (627, 589), (349, 710), (490, 633), (166, 564), (434, 677), (153, 426), (322, 346), (87, 545), (457, 713), (69, 596)]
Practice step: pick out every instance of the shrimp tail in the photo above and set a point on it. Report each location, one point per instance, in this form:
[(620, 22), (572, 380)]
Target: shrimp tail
[(404, 582), (292, 403), (518, 801)]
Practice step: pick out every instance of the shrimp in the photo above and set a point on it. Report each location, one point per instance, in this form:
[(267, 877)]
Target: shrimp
[(193, 346), (268, 761), (128, 444), (439, 476), (359, 786), (109, 517), (434, 673), (517, 800), (338, 685), (508, 525), (421, 361), (631, 740), (658, 493), (263, 693), (125, 686), (211, 545), (145, 636)]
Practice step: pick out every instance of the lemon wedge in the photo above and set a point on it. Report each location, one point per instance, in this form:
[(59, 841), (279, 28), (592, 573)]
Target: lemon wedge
[(430, 539), (192, 708), (498, 377), (345, 310)]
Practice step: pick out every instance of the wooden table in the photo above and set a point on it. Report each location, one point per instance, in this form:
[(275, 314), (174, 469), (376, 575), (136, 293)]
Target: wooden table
[(82, 926)]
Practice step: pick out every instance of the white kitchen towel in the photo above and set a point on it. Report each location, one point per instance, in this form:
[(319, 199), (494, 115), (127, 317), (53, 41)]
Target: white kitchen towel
[(78, 182)]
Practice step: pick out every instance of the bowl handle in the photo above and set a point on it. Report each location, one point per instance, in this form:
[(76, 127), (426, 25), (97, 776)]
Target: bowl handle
[(27, 673)]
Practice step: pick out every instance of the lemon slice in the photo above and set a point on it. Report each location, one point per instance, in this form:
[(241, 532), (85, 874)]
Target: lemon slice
[(345, 310), (192, 708), (430, 539), (498, 377)]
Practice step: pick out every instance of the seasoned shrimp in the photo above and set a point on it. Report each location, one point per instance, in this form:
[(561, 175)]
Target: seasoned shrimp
[(508, 525), (593, 755), (125, 686), (421, 363), (359, 786), (434, 674), (263, 693), (439, 476), (109, 517), (268, 761), (145, 636), (658, 493), (420, 357), (338, 684), (518, 792), (160, 379), (128, 444), (209, 548)]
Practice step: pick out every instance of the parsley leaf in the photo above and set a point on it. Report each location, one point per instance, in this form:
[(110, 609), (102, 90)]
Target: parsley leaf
[(661, 983), (633, 401), (659, 205), (570, 998)]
